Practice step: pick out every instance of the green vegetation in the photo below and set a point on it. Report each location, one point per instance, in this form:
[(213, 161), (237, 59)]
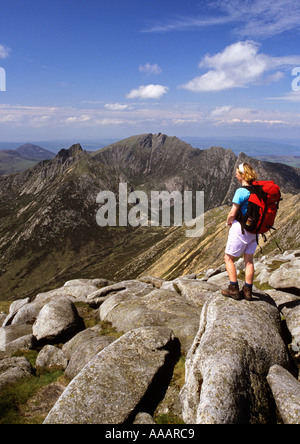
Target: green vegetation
[(168, 418), (13, 398), (11, 165), (20, 402), (176, 383), (90, 318), (179, 373), (4, 306)]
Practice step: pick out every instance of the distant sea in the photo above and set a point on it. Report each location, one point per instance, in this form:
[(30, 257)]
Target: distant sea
[(252, 146)]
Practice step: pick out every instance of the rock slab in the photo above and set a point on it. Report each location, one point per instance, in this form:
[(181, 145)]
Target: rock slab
[(227, 366), (57, 318), (111, 386), (286, 391)]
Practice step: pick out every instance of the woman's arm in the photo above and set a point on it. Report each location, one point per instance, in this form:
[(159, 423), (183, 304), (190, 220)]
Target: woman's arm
[(232, 213)]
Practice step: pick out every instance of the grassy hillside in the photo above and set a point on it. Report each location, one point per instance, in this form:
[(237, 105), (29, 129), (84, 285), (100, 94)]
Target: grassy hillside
[(11, 162), (185, 255)]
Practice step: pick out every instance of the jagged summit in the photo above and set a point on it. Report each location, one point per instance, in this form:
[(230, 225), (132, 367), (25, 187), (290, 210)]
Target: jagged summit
[(72, 151)]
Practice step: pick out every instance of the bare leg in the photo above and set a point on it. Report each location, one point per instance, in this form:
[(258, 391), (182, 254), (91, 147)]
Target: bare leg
[(249, 268), (233, 289), (230, 267)]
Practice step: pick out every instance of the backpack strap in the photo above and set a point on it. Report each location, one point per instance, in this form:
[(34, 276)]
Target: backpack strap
[(240, 217)]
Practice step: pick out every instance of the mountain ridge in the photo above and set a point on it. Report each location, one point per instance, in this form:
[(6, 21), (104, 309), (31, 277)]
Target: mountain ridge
[(48, 212), (148, 153)]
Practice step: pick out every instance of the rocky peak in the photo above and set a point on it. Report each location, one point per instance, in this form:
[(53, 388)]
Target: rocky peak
[(146, 141), (74, 151)]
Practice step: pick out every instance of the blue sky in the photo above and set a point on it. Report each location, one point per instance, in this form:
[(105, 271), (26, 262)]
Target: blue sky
[(94, 69)]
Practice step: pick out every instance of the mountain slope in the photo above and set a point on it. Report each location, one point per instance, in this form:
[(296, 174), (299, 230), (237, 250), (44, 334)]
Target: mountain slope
[(12, 162), (179, 255), (154, 162), (34, 152), (49, 233), (22, 158), (48, 223)]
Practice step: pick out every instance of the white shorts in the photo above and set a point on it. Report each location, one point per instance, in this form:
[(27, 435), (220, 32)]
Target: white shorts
[(239, 243)]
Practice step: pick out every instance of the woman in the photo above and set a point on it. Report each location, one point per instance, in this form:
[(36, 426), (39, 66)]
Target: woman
[(240, 241)]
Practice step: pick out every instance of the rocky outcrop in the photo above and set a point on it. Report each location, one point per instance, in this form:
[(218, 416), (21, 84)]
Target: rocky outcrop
[(82, 348), (13, 369), (118, 379), (287, 277), (13, 336), (13, 310), (165, 306), (130, 373), (57, 318), (289, 306), (50, 358), (280, 271), (235, 347), (286, 391)]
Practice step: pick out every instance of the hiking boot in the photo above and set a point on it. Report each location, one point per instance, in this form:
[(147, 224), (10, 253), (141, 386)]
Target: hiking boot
[(232, 292), (246, 292)]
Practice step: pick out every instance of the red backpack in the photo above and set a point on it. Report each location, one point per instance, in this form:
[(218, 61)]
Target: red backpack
[(262, 207)]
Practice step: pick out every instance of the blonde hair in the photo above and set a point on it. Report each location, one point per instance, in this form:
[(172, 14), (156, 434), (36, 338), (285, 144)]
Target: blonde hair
[(248, 173)]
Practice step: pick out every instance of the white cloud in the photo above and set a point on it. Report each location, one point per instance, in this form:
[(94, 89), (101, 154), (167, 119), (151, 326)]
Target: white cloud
[(4, 51), (259, 121), (261, 19), (293, 97), (148, 92), (220, 110), (249, 19), (184, 121), (150, 69), (275, 77), (238, 66), (19, 118), (111, 122), (254, 117), (186, 24), (116, 107)]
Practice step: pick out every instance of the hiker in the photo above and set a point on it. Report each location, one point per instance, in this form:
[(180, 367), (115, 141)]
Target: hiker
[(240, 241)]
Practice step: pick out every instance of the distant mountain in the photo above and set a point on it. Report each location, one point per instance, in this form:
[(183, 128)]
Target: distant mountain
[(22, 158), (48, 229), (293, 161), (34, 152), (252, 146)]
